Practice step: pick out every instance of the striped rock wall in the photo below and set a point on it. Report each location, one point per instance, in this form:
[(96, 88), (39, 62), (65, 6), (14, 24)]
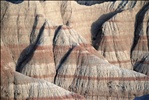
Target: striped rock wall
[(40, 44), (83, 72), (114, 39), (114, 42), (25, 13), (87, 19), (37, 59), (16, 86), (140, 45), (92, 20), (20, 21)]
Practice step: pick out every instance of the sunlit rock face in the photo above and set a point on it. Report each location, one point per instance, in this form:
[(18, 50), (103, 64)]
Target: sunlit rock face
[(37, 59), (15, 85), (110, 27), (81, 71), (74, 50)]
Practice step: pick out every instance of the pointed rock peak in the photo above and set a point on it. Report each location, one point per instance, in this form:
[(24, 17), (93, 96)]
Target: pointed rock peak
[(68, 36)]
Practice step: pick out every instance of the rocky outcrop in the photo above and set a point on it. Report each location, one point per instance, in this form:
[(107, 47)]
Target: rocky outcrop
[(113, 41), (112, 16), (37, 59), (81, 71), (140, 45), (26, 20), (66, 50), (18, 86)]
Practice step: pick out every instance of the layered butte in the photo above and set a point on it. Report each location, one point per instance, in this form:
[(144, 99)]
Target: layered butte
[(15, 85), (81, 71), (74, 50)]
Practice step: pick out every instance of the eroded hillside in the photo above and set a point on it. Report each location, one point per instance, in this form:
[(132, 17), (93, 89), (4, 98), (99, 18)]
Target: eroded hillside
[(62, 50)]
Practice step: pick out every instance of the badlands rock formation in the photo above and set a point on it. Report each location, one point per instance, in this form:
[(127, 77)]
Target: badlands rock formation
[(37, 59), (92, 76), (16, 86), (74, 50)]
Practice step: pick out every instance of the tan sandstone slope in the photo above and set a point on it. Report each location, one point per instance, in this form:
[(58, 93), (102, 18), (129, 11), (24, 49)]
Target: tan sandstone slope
[(18, 86), (81, 71), (74, 50)]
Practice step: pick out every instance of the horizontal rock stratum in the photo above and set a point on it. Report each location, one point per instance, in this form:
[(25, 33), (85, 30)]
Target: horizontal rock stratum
[(74, 50)]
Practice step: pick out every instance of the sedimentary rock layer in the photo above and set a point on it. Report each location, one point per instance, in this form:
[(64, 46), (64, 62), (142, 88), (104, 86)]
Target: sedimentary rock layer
[(80, 48), (140, 46), (21, 21), (37, 59), (83, 72), (115, 36), (18, 86)]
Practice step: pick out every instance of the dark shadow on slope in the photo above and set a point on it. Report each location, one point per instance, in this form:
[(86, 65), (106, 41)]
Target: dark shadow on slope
[(34, 28), (142, 68), (147, 33), (139, 26), (56, 33), (62, 61), (145, 97), (64, 57), (96, 28), (28, 52), (15, 1)]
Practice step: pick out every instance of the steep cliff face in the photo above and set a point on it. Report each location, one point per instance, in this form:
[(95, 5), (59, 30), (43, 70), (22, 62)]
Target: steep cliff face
[(62, 50)]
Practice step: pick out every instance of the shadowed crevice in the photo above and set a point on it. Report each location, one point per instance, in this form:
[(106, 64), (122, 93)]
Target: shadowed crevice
[(147, 33), (96, 28), (139, 27), (64, 58), (34, 29), (56, 33), (28, 52), (142, 65), (54, 41), (62, 61)]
